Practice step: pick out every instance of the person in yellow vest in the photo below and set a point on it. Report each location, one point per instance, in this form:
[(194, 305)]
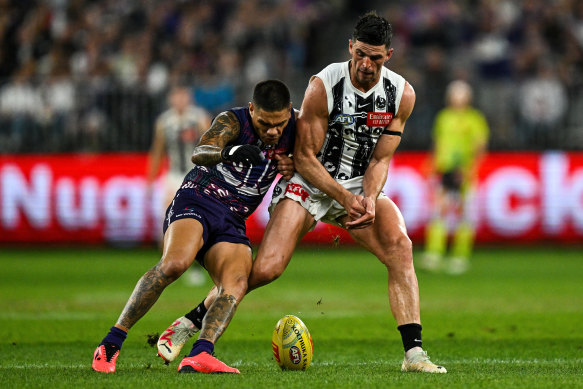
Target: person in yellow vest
[(460, 137)]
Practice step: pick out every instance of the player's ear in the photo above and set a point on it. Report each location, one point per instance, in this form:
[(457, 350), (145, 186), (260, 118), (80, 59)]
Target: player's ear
[(250, 104), (389, 54), (350, 46)]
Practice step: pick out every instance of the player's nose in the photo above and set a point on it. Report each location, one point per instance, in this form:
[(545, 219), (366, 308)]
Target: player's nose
[(366, 62)]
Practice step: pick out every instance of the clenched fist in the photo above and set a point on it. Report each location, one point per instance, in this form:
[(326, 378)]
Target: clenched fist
[(248, 154)]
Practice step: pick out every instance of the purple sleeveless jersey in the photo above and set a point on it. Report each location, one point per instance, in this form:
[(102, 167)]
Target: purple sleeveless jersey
[(237, 186), (221, 197)]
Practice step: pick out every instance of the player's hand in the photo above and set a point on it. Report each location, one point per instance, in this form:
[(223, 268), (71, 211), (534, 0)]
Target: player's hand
[(366, 217), (285, 166), (354, 207), (248, 154)]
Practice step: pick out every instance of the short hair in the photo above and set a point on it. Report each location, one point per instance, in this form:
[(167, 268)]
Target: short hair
[(271, 95), (373, 29), (456, 87)]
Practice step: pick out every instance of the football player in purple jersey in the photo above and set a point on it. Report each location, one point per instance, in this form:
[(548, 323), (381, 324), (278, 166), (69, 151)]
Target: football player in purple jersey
[(236, 161)]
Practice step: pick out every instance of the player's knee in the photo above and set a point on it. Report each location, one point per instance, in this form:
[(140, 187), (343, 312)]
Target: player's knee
[(240, 287), (234, 285), (174, 266), (399, 251), (263, 275)]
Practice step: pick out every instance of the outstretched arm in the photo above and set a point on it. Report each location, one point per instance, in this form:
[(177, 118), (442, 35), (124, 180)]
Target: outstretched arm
[(312, 126)]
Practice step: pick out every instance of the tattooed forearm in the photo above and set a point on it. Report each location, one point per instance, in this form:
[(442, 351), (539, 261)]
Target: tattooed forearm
[(145, 294), (218, 317), (224, 129)]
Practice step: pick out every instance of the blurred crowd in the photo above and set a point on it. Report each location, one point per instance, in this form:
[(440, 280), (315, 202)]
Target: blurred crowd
[(524, 59), (82, 75)]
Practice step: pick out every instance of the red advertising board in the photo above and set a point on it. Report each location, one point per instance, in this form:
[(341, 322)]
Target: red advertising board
[(103, 198)]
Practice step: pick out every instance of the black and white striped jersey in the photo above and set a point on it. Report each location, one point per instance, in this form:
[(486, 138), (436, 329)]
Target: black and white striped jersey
[(355, 119), (182, 132)]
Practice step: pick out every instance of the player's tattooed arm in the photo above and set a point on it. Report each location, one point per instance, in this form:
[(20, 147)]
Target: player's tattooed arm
[(218, 317), (145, 294), (224, 129)]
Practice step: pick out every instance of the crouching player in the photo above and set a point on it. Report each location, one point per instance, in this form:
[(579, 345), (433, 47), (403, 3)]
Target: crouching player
[(236, 162)]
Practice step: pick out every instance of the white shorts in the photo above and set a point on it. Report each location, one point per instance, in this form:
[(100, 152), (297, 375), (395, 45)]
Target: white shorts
[(317, 203)]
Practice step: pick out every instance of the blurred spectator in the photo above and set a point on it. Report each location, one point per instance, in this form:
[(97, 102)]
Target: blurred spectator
[(177, 131), (430, 97), (21, 110), (122, 56), (59, 104), (542, 104), (492, 54)]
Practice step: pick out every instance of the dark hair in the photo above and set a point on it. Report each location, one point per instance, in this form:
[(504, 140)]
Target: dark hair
[(373, 29), (271, 95)]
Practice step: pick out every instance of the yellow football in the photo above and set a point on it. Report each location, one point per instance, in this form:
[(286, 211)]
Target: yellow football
[(292, 344)]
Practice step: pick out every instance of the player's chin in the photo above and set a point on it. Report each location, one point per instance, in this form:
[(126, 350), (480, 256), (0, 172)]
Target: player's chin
[(365, 78)]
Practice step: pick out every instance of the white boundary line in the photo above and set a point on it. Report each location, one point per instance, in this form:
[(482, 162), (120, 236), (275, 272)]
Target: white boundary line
[(556, 361)]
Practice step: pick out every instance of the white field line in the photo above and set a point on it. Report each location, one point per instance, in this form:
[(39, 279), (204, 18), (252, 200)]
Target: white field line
[(476, 361), (556, 361)]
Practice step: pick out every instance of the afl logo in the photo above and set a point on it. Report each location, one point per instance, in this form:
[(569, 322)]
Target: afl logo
[(294, 355), (343, 119)]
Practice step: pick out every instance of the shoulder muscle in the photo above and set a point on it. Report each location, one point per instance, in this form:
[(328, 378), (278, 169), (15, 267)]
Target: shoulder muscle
[(224, 129)]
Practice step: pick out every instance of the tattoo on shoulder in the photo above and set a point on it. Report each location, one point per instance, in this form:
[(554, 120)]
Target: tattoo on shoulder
[(224, 129)]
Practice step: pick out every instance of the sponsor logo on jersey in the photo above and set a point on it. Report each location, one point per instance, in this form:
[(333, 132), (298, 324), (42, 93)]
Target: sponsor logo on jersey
[(187, 185), (189, 212), (270, 153), (378, 119), (297, 190), (380, 102), (344, 118)]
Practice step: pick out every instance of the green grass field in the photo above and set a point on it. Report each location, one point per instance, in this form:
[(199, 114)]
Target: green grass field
[(513, 321)]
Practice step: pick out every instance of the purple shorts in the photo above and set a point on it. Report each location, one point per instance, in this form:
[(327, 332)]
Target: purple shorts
[(219, 224)]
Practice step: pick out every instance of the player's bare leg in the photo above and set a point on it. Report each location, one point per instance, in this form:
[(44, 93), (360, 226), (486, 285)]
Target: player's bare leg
[(229, 266), (289, 222), (181, 242), (387, 239), (178, 254)]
